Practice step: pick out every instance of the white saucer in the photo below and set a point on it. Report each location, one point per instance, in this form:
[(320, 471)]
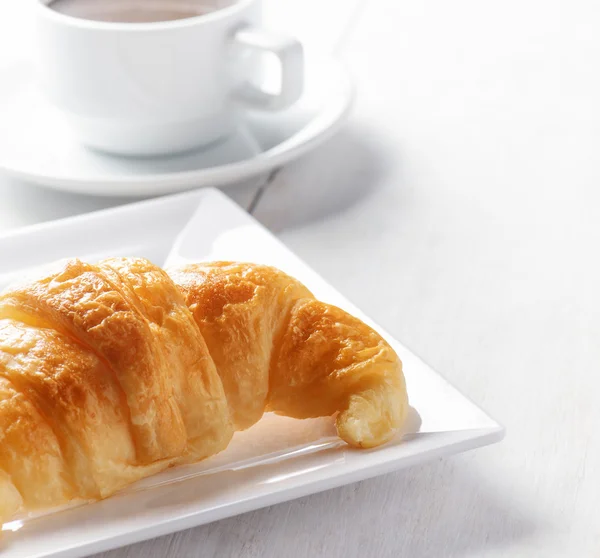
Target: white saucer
[(37, 146)]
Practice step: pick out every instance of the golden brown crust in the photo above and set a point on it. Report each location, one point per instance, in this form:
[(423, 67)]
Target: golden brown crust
[(77, 399), (190, 369), (111, 372), (30, 455), (239, 308), (81, 303), (326, 362)]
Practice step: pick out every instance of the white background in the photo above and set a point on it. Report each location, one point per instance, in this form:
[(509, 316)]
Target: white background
[(460, 209)]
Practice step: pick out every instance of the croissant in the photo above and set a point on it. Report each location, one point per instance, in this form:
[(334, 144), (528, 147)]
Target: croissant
[(112, 372)]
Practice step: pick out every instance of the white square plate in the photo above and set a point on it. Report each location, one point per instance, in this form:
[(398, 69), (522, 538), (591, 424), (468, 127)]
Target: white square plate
[(277, 460)]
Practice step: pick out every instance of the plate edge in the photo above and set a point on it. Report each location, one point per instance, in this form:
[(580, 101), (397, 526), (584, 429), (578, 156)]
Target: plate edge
[(485, 436)]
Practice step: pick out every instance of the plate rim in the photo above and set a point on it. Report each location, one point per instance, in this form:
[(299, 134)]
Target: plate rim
[(386, 458), (485, 436), (99, 213)]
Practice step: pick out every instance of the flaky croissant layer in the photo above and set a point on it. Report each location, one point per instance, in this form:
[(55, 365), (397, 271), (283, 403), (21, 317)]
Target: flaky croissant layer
[(112, 372)]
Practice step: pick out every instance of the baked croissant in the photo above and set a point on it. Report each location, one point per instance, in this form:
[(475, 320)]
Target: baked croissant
[(112, 372)]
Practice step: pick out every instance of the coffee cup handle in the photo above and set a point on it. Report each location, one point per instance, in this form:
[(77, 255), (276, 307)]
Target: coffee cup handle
[(290, 53)]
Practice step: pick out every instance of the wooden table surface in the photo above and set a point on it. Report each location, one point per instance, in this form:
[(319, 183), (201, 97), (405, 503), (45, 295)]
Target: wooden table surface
[(460, 207)]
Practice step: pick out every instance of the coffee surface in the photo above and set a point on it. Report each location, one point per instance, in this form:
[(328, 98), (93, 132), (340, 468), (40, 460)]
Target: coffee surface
[(132, 11)]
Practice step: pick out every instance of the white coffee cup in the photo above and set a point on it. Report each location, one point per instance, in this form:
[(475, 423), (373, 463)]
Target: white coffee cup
[(165, 87)]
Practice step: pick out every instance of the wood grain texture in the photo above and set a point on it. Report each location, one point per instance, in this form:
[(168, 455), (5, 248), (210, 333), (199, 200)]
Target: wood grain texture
[(461, 209)]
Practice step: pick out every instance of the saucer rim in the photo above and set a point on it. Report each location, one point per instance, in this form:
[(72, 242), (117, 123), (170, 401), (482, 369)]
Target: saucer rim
[(223, 175)]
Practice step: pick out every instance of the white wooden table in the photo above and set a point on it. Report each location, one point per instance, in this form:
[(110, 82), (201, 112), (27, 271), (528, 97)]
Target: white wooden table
[(461, 209)]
